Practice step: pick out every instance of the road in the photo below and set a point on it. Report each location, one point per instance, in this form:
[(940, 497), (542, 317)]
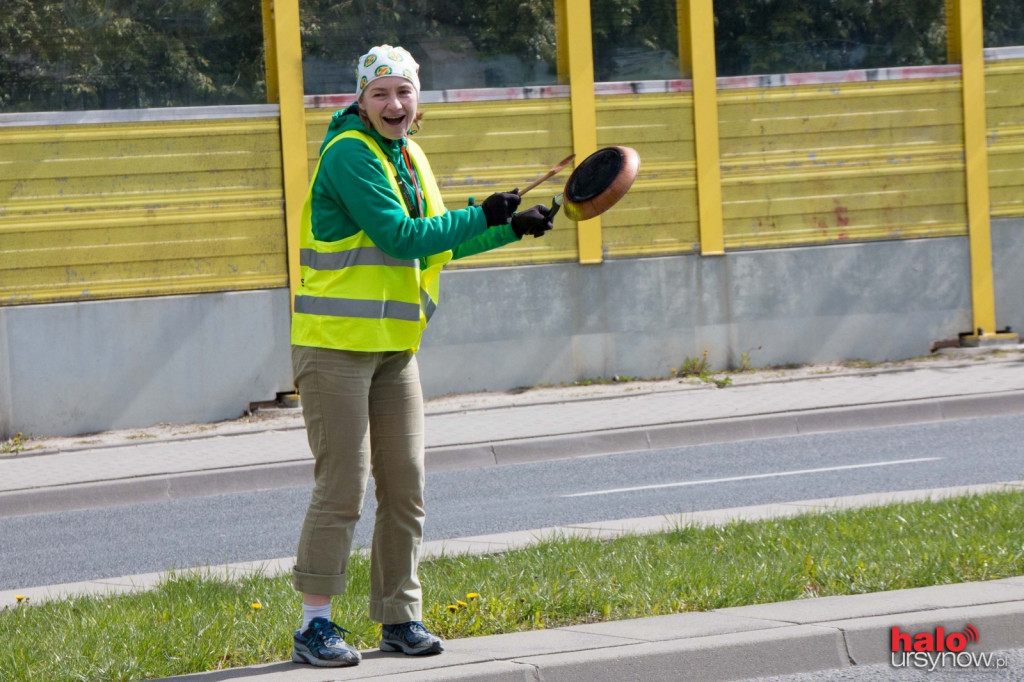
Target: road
[(72, 546)]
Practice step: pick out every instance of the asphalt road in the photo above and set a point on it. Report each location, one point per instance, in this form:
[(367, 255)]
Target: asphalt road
[(72, 546)]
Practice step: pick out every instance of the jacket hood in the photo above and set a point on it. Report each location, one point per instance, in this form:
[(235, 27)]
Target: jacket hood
[(348, 119)]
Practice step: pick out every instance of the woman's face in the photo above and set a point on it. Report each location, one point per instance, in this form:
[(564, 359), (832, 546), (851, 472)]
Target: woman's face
[(390, 104)]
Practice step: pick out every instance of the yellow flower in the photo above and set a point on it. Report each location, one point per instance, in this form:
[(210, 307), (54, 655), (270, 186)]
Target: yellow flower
[(20, 598), (472, 595), (461, 603), (257, 606), (453, 608)]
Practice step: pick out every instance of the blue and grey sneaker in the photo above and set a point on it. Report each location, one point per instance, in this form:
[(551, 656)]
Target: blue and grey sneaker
[(323, 644), (410, 638)]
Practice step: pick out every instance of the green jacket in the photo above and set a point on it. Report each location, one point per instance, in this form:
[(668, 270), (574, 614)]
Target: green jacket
[(352, 192)]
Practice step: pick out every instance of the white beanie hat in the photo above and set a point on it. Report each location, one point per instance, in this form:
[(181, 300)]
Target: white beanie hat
[(385, 60)]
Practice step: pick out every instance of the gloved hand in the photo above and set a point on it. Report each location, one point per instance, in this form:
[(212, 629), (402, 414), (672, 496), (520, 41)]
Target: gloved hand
[(535, 221), (501, 206)]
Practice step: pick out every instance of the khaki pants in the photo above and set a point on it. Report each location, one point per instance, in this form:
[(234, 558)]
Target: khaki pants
[(363, 414)]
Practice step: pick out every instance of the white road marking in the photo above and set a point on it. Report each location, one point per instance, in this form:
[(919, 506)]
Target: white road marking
[(798, 472)]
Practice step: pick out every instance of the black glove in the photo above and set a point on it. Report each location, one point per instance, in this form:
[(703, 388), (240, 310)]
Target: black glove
[(501, 206), (535, 221)]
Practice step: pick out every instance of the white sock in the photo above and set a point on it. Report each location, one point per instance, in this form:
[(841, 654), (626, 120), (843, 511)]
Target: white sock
[(311, 612)]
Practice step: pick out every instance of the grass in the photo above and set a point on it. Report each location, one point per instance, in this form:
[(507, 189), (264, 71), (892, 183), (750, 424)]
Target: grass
[(193, 622), (699, 368), (16, 444)]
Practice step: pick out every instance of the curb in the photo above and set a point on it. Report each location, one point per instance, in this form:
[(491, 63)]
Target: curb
[(784, 638), (297, 473), (725, 430)]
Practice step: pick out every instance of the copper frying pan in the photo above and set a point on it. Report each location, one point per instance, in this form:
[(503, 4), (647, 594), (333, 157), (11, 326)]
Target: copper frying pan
[(596, 184)]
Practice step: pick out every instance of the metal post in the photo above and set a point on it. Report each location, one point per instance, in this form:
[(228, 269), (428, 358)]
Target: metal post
[(580, 55), (284, 86), (696, 17), (964, 31)]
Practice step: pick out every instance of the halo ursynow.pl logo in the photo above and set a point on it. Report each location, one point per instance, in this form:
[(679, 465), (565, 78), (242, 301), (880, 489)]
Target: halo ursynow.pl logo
[(937, 649)]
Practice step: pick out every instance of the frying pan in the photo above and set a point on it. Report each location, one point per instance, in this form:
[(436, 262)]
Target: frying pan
[(596, 184)]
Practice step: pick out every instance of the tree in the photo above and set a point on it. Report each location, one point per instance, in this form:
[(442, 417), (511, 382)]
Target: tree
[(338, 32), (97, 54), (88, 54), (778, 36), (1003, 22)]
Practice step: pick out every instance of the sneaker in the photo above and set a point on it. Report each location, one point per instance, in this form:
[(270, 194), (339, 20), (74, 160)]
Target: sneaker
[(323, 644), (410, 638)]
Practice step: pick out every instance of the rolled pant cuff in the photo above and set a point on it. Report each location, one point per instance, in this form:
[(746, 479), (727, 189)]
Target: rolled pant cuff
[(315, 583), (393, 614)]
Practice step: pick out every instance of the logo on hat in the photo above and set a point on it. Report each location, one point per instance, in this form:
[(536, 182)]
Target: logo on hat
[(370, 59), (382, 70)]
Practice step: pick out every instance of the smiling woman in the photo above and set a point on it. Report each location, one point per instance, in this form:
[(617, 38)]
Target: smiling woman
[(374, 203)]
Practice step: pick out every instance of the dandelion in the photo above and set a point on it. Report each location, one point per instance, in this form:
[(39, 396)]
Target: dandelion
[(256, 606), (453, 608), (461, 604), (20, 598), (472, 595)]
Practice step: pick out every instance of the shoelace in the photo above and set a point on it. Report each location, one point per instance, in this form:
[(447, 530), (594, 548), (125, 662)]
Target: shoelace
[(332, 630)]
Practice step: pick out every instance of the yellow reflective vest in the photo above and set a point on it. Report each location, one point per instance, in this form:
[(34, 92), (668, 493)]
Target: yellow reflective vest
[(354, 296)]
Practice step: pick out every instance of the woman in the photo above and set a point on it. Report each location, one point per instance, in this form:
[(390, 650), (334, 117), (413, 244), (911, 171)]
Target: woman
[(375, 236)]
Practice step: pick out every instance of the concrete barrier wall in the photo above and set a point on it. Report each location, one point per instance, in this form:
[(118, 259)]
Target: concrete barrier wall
[(499, 328), (73, 368), (1008, 266)]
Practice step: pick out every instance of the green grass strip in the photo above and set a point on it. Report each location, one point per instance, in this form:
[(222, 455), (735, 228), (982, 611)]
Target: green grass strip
[(193, 623)]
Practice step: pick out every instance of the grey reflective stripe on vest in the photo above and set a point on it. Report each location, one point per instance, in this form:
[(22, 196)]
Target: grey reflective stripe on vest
[(364, 255), (427, 304), (354, 307)]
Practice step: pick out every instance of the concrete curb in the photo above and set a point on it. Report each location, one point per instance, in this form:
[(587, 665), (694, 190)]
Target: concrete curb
[(828, 633), (296, 473), (725, 430)]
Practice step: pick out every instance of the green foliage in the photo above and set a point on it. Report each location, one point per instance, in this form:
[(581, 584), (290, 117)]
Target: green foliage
[(776, 36), (1003, 22), (698, 368), (89, 54), (109, 54), (629, 37), (337, 33), (16, 444)]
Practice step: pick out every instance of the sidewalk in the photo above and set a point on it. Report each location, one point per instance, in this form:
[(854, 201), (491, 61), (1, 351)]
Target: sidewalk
[(495, 429)]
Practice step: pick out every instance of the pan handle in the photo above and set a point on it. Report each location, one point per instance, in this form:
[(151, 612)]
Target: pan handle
[(556, 203), (559, 167)]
